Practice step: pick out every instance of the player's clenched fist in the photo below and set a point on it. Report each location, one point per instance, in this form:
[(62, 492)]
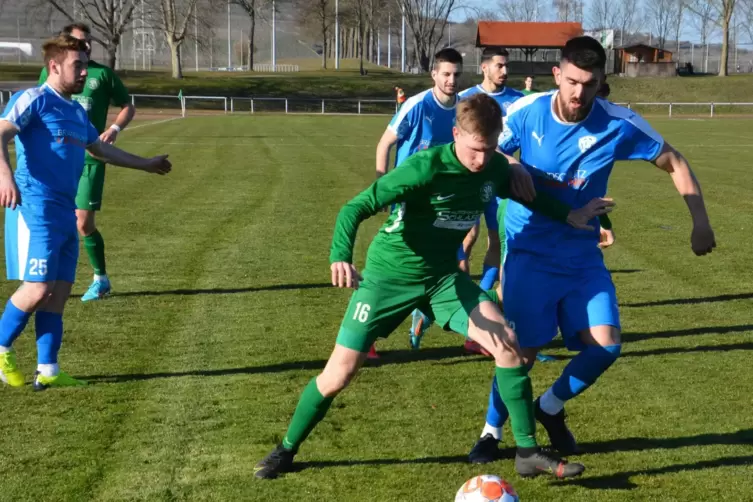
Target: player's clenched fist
[(345, 275), (579, 218), (159, 165)]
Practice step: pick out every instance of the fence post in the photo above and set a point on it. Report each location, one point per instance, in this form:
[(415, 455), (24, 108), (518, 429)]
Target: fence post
[(133, 100), (629, 106), (252, 105), (232, 105), (225, 106), (286, 105), (670, 109), (359, 107), (322, 106), (712, 110)]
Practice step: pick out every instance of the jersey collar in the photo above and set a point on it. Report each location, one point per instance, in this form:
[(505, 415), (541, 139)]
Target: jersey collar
[(56, 93), (440, 104), (500, 91)]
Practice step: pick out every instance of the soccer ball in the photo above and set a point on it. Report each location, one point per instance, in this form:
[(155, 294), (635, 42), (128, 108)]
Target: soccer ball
[(486, 488)]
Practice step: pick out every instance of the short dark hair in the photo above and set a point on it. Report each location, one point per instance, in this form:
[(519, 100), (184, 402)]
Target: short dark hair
[(585, 52), (447, 55), (532, 77), (480, 114), (604, 90), (68, 29), (489, 53)]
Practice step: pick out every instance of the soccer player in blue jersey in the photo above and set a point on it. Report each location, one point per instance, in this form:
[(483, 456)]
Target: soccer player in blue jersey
[(426, 119), (51, 133), (569, 139)]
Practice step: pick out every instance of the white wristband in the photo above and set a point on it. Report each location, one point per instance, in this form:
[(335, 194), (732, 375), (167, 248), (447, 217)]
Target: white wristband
[(116, 127)]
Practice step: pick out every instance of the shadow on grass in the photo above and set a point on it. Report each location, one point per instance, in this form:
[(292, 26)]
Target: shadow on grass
[(691, 301), (387, 357), (612, 481), (448, 356), (220, 291)]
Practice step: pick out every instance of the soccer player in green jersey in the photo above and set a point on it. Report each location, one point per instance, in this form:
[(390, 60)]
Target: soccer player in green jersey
[(529, 86), (412, 263), (102, 88)]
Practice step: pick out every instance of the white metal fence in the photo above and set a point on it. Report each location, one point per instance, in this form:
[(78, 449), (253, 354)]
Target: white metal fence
[(185, 105)]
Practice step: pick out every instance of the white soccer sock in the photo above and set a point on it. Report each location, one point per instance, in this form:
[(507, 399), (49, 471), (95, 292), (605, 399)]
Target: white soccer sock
[(48, 370), (4, 349), (100, 277), (496, 432), (551, 404)]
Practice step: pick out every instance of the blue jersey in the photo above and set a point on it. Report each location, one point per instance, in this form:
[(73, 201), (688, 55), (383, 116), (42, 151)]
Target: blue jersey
[(422, 122), (571, 162), (506, 97), (53, 134)]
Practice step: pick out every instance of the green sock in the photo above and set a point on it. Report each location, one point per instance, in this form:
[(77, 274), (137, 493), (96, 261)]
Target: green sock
[(95, 248), (310, 411), (517, 394)]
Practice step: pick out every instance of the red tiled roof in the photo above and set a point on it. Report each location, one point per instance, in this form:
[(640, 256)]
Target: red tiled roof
[(509, 35)]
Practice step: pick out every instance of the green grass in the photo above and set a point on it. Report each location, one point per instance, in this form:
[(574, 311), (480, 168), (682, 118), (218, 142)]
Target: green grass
[(222, 314), (379, 83)]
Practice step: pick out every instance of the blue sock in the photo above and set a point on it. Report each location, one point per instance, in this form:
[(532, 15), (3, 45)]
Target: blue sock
[(49, 336), (489, 277), (12, 324), (461, 254), (584, 369), (496, 414)]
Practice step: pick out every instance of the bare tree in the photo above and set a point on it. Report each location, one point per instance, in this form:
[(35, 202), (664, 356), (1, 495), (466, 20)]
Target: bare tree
[(520, 10), (661, 13), (604, 14), (318, 16), (676, 22), (702, 15), (722, 12), (253, 9), (108, 18), (427, 20), (173, 18), (746, 14), (568, 10)]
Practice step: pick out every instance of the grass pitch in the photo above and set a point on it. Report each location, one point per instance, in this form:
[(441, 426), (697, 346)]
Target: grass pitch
[(222, 312)]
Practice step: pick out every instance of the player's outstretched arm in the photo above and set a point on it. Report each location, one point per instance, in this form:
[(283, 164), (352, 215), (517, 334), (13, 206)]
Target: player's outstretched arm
[(9, 194), (388, 139), (702, 239), (115, 156)]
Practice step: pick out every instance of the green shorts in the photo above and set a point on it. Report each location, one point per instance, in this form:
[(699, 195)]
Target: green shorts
[(380, 305), (91, 185)]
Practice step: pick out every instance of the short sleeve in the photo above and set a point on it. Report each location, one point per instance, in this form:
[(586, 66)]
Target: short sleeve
[(509, 140), (638, 141), (22, 108), (405, 120), (119, 96)]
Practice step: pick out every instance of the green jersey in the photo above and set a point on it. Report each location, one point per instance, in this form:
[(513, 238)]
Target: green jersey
[(439, 202), (102, 87), (527, 92)]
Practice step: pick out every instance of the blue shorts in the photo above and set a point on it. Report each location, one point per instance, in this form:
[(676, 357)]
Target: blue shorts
[(540, 297), (40, 249)]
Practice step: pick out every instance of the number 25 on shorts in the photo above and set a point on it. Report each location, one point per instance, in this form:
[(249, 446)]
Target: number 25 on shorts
[(37, 267), (362, 312)]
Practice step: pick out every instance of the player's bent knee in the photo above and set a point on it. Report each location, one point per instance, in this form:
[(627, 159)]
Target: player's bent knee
[(342, 366), (85, 222)]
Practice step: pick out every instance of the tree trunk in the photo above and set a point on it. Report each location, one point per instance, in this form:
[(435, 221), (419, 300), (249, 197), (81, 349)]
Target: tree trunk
[(324, 41), (725, 48), (175, 58), (112, 55), (251, 38)]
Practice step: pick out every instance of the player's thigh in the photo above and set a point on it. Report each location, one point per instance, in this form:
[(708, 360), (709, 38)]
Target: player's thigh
[(591, 306), (375, 310), (91, 186), (32, 246), (530, 297), (452, 299)]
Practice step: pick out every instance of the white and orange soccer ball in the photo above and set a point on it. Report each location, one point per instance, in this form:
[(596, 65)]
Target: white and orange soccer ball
[(486, 488)]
